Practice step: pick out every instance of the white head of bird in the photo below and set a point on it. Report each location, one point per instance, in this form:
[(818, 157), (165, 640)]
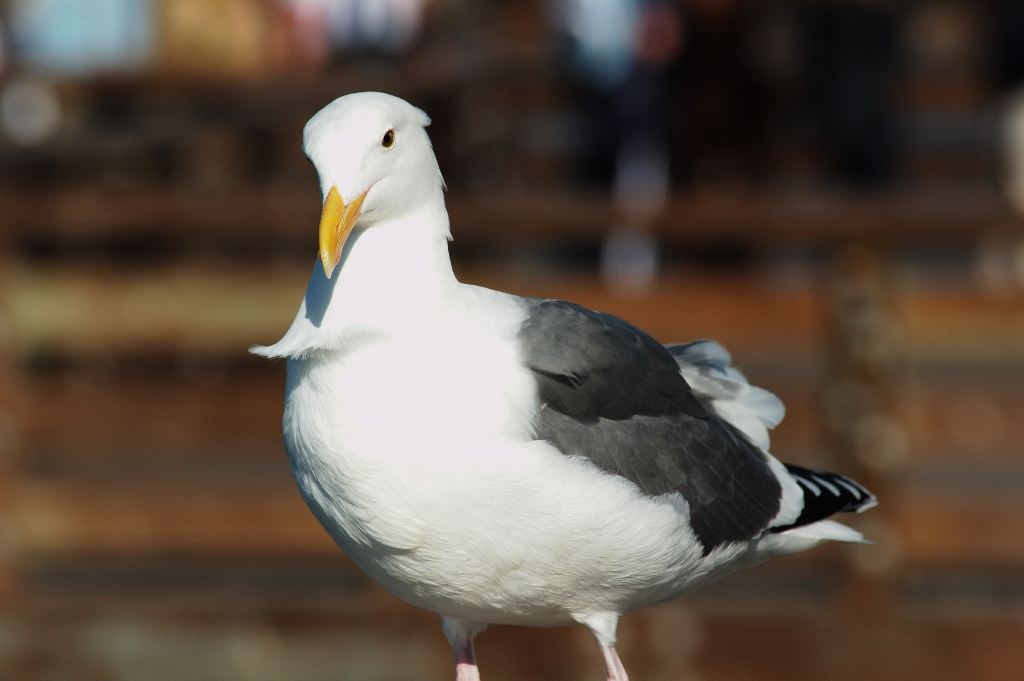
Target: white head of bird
[(384, 228), (375, 164)]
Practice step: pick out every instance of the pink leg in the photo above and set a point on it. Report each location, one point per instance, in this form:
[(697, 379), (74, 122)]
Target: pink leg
[(616, 672), (460, 633), (602, 625), (465, 663)]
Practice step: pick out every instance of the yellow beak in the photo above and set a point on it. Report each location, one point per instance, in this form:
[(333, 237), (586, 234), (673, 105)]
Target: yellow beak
[(336, 223)]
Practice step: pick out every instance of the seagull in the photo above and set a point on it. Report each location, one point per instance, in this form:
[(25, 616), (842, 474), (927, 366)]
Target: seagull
[(506, 460)]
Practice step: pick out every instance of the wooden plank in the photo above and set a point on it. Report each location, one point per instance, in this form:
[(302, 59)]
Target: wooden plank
[(68, 426), (762, 218), (226, 416), (918, 215), (973, 419), (183, 310), (960, 529), (837, 646), (669, 642), (969, 419), (672, 642), (86, 213), (963, 326), (225, 643), (192, 309), (206, 309), (752, 320), (69, 518)]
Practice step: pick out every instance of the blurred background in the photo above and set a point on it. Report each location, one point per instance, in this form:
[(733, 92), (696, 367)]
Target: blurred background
[(833, 190)]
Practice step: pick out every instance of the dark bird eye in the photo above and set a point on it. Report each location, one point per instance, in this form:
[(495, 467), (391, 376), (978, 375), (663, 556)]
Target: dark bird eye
[(389, 139)]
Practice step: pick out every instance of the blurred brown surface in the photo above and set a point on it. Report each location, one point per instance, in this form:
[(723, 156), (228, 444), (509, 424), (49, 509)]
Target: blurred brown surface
[(132, 464), (150, 527)]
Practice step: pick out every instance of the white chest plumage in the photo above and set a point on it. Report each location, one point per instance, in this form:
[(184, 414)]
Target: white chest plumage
[(395, 419), (415, 452)]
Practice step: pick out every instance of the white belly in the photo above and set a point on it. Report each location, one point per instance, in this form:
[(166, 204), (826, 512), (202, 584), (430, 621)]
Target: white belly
[(424, 473)]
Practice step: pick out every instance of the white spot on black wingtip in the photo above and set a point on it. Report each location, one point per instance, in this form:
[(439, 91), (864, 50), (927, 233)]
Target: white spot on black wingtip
[(853, 489), (814, 489), (870, 503), (827, 485)]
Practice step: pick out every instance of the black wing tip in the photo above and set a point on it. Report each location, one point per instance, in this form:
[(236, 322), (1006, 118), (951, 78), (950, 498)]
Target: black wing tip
[(826, 494)]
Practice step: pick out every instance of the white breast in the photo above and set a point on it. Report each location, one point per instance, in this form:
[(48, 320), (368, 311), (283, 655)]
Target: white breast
[(415, 453), (374, 424)]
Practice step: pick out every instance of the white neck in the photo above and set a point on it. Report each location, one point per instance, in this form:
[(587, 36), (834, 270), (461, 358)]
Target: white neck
[(392, 276)]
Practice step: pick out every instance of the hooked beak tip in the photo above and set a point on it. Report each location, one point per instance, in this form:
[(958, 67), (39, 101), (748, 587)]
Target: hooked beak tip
[(336, 224)]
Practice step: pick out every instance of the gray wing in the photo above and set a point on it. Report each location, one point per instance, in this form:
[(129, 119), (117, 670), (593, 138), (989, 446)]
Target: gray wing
[(612, 394)]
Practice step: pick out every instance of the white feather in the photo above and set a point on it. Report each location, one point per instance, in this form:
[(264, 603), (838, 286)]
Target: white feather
[(828, 530), (706, 367)]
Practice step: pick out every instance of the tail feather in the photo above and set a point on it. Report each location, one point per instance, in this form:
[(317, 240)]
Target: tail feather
[(826, 494), (828, 530)]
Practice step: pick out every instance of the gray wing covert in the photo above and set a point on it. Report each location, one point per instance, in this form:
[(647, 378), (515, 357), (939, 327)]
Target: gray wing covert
[(612, 394)]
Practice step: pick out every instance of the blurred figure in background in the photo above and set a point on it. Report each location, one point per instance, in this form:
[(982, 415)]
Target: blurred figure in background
[(850, 58), (620, 55), (321, 28), (80, 39), (3, 47), (1009, 69), (722, 121), (85, 38), (1009, 42)]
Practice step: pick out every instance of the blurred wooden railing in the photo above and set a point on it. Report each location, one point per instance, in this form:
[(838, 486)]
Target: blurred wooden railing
[(138, 432), (928, 214), (196, 312)]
